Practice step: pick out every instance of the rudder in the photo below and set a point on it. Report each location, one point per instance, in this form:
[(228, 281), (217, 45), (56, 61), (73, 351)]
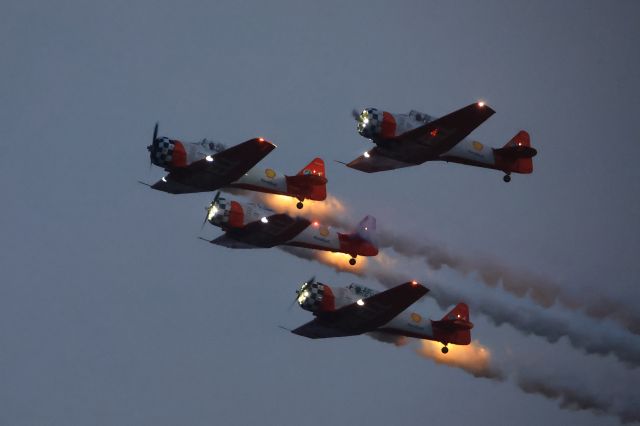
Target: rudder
[(517, 154)]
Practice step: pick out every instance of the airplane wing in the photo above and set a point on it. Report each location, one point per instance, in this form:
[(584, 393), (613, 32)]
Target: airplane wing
[(354, 319), (377, 160), (425, 142), (278, 229), (226, 166)]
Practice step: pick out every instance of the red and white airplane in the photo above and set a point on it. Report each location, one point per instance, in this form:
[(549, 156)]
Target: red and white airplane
[(252, 225), (356, 309), (208, 166), (404, 140)]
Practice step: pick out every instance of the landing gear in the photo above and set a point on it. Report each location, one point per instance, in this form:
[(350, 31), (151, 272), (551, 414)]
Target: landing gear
[(299, 205), (506, 178), (444, 349), (352, 261)]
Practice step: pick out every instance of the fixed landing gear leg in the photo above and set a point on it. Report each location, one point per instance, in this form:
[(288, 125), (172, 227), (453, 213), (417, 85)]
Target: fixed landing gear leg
[(507, 178), (445, 349), (300, 205), (352, 261)]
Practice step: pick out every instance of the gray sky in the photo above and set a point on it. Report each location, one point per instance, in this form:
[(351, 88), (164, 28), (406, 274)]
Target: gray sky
[(112, 312)]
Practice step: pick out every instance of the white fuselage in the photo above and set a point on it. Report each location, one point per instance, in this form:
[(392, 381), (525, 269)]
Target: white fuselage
[(318, 236), (470, 152), (263, 178)]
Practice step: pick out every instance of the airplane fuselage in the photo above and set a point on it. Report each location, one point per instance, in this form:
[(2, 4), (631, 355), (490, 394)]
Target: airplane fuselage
[(263, 180), (316, 236), (408, 323)]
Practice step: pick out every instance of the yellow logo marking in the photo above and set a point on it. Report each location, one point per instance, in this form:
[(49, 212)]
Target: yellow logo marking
[(324, 231), (415, 317), (477, 145), (270, 173)]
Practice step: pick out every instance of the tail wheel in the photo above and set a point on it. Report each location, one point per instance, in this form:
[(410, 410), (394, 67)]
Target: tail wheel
[(352, 261), (444, 349), (506, 178), (299, 205)]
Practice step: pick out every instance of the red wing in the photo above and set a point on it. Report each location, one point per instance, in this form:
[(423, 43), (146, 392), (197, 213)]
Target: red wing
[(278, 229), (354, 319), (377, 160), (227, 166), (444, 133)]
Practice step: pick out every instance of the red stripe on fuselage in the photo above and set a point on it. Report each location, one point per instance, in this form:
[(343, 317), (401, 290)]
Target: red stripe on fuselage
[(388, 127), (179, 158), (236, 215)]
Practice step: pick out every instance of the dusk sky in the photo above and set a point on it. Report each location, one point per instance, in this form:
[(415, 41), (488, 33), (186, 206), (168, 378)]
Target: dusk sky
[(113, 312)]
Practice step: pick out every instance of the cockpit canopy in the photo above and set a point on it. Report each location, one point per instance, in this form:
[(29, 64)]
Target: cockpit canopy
[(420, 116)]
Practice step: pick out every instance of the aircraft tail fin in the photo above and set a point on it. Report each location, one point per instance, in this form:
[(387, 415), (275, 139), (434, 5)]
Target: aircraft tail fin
[(315, 167), (366, 229), (455, 327), (517, 154), (310, 182)]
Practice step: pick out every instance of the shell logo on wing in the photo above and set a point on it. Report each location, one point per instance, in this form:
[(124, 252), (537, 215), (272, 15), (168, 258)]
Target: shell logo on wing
[(270, 173), (324, 231), (306, 172), (415, 317), (477, 145)]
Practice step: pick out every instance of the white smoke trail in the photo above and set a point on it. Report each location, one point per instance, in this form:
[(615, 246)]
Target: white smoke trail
[(570, 392), (541, 290)]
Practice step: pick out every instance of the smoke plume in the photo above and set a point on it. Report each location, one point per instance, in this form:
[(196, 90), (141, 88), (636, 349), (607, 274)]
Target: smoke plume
[(523, 284)]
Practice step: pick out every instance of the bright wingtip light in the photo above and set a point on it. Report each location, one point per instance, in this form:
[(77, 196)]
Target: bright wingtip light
[(360, 302), (366, 155), (480, 104), (264, 220), (208, 158)]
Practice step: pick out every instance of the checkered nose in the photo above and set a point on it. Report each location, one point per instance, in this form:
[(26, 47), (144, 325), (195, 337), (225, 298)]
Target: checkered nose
[(161, 151), (316, 297), (218, 212), (369, 123)]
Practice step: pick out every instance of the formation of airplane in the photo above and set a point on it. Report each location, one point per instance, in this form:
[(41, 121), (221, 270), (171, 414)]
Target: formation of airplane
[(208, 166), (402, 140), (356, 309), (252, 225)]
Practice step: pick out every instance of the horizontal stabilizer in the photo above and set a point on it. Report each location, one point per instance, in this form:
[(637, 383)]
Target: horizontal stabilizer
[(515, 152)]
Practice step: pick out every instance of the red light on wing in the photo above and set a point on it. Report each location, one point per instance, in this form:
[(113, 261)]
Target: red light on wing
[(434, 132)]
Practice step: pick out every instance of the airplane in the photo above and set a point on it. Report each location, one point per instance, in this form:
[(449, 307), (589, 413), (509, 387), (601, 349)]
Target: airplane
[(208, 166), (356, 309), (253, 225), (404, 140)]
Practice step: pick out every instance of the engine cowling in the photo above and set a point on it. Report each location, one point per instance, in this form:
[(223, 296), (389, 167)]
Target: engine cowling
[(167, 153), (226, 214), (375, 124), (316, 297)]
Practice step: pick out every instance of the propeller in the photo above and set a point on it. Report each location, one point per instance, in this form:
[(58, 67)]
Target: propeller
[(208, 209), (150, 147), (302, 288)]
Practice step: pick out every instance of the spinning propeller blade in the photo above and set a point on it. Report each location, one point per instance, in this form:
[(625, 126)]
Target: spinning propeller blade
[(208, 209), (151, 147), (302, 288)]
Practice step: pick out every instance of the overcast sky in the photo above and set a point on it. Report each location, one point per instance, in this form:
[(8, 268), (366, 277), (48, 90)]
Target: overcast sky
[(113, 312)]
